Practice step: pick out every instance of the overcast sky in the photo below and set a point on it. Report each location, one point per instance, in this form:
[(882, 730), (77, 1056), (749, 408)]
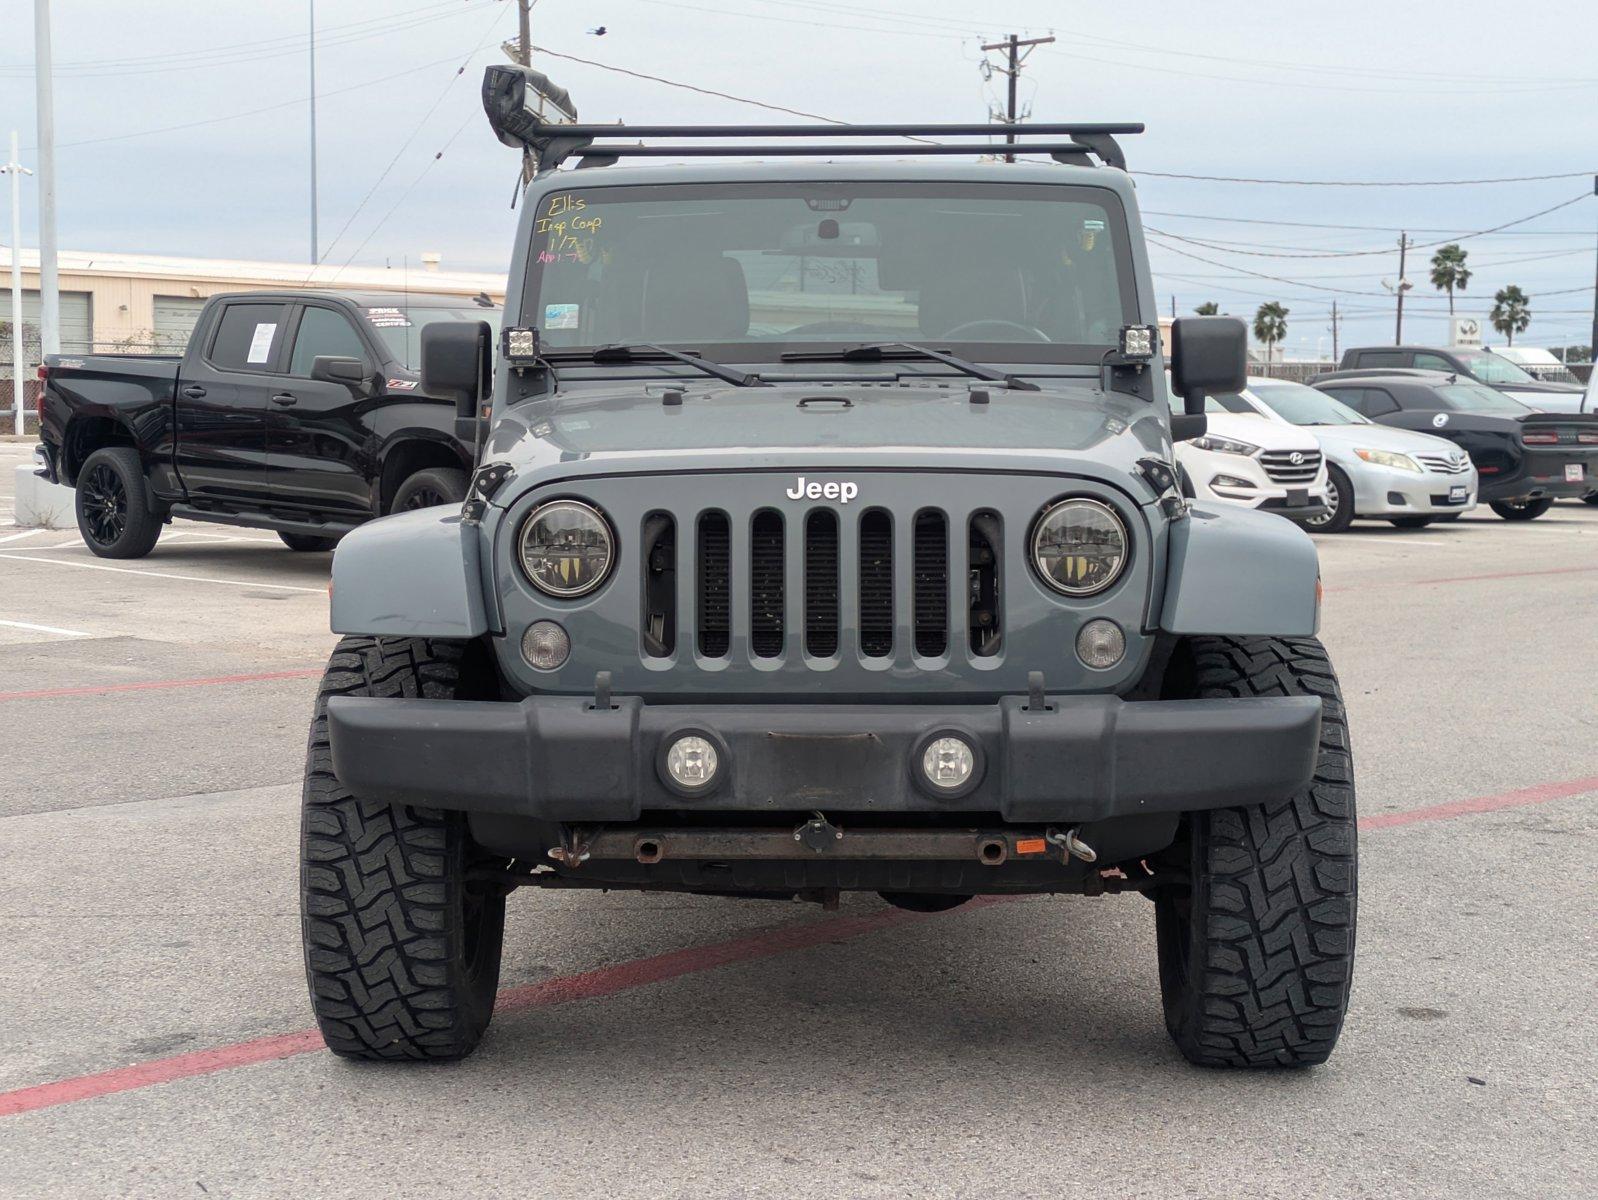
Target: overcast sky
[(164, 146)]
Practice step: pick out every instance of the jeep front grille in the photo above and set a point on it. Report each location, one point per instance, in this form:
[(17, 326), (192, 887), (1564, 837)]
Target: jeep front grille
[(1279, 465), (793, 581)]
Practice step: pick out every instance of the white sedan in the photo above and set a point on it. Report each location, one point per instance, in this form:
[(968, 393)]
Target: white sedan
[(1376, 471), (1254, 462)]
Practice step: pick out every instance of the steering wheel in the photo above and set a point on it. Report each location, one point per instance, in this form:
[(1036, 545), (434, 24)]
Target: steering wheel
[(1033, 333)]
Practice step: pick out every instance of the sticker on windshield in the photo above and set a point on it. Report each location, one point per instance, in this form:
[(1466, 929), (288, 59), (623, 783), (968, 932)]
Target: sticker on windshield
[(261, 343), (561, 316), (1440, 420), (388, 318)]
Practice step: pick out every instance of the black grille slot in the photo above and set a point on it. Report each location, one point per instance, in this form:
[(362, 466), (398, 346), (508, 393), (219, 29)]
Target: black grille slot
[(715, 585), (765, 584), (876, 583), (984, 584), (931, 575), (660, 584), (821, 583)]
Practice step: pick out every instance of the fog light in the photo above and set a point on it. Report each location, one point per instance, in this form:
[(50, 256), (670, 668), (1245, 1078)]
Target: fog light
[(546, 646), (1230, 481), (692, 762), (947, 763), (1100, 644)]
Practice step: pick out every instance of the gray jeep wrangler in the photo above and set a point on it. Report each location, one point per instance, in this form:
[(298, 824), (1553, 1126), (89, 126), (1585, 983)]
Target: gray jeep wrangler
[(825, 536)]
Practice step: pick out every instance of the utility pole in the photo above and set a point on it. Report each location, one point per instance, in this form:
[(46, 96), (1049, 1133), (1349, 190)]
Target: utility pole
[(1335, 320), (1014, 56), (1403, 286), (1592, 353), (316, 254), (49, 280), (524, 36), (16, 170)]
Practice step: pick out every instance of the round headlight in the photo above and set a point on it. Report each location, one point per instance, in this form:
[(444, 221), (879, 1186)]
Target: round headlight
[(566, 548), (1079, 546)]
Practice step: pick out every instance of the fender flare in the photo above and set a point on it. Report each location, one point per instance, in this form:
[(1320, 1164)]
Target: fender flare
[(1237, 572), (414, 574)]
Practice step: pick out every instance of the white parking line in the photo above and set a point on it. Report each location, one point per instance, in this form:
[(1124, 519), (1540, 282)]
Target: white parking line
[(249, 583), (45, 629), (26, 533)]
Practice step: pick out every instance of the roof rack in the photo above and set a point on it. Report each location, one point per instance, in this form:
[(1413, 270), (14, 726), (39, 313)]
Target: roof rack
[(513, 97)]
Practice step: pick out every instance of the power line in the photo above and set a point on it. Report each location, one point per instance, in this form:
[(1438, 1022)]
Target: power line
[(1367, 183), (1152, 212)]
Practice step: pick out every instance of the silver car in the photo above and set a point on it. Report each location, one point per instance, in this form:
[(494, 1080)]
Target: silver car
[(1374, 471)]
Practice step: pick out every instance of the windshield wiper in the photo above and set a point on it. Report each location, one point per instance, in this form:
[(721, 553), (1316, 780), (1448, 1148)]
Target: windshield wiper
[(642, 350), (883, 351)]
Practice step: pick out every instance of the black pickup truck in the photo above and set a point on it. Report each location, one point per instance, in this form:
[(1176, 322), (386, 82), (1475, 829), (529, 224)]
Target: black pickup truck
[(293, 411)]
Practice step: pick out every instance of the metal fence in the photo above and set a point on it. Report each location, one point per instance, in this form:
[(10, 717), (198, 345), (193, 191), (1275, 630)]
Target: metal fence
[(1296, 372)]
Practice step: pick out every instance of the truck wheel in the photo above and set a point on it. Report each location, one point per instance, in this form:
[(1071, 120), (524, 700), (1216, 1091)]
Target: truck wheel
[(1339, 504), (923, 902), (305, 543), (112, 504), (1590, 498), (1410, 522), (1257, 950), (1521, 510), (401, 950), (430, 487)]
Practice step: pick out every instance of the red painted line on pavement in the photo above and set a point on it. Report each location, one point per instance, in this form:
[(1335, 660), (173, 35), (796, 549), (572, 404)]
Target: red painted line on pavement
[(1540, 794), (1360, 587), (152, 684), (608, 981)]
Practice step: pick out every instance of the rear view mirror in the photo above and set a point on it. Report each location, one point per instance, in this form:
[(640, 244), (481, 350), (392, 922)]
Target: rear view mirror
[(457, 361), (328, 368), (1208, 355)]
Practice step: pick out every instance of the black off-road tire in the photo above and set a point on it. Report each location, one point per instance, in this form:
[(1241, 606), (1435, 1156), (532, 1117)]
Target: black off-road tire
[(112, 504), (1524, 510), (1257, 953), (1411, 522), (401, 952), (430, 487), (923, 902), (305, 543), (1590, 498)]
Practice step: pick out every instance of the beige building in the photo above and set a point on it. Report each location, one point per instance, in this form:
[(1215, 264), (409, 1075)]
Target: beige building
[(150, 302)]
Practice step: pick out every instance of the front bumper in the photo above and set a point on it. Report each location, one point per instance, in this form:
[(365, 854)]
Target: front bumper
[(1078, 758), (1385, 492)]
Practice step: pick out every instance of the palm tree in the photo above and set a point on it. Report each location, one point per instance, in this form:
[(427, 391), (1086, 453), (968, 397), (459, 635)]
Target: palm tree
[(1270, 325), (1511, 312), (1208, 309), (1449, 272)]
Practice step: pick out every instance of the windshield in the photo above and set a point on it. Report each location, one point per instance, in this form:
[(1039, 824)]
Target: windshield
[(1024, 273), (1492, 368), (1476, 397), (400, 325), (1302, 405)]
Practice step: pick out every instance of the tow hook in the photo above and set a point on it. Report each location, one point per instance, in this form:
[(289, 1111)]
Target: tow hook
[(573, 850), (818, 833), (1071, 844)]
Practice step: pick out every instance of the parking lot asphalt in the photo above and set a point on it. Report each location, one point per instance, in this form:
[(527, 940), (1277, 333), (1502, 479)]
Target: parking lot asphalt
[(156, 1029)]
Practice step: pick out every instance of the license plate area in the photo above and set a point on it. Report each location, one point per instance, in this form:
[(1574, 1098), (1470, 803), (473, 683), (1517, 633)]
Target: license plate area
[(1458, 493), (1575, 472)]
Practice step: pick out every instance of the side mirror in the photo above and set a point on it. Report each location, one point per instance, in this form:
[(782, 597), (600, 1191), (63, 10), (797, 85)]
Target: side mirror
[(457, 364), (1208, 354), (328, 368)]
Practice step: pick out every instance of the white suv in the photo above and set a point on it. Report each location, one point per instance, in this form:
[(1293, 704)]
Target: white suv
[(1254, 462)]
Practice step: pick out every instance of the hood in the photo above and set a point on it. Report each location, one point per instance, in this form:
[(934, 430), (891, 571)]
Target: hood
[(1072, 428), (1565, 400), (1379, 437), (1265, 432)]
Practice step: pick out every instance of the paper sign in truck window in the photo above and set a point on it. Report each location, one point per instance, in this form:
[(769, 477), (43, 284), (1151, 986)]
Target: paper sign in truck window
[(261, 343)]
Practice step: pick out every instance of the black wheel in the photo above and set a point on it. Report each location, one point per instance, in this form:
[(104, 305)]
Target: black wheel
[(304, 543), (1590, 498), (1257, 950), (113, 509), (1339, 505), (1521, 510), (1411, 522), (429, 488), (923, 902), (402, 950)]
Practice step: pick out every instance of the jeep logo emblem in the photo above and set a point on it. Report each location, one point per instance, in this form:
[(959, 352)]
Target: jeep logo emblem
[(809, 490), (1296, 458)]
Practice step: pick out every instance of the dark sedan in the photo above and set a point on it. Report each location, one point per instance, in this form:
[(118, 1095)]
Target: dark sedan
[(1526, 459)]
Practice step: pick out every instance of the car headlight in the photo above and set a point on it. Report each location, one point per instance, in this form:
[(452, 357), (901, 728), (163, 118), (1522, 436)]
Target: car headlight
[(1223, 445), (1387, 458), (566, 548), (1079, 546)]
